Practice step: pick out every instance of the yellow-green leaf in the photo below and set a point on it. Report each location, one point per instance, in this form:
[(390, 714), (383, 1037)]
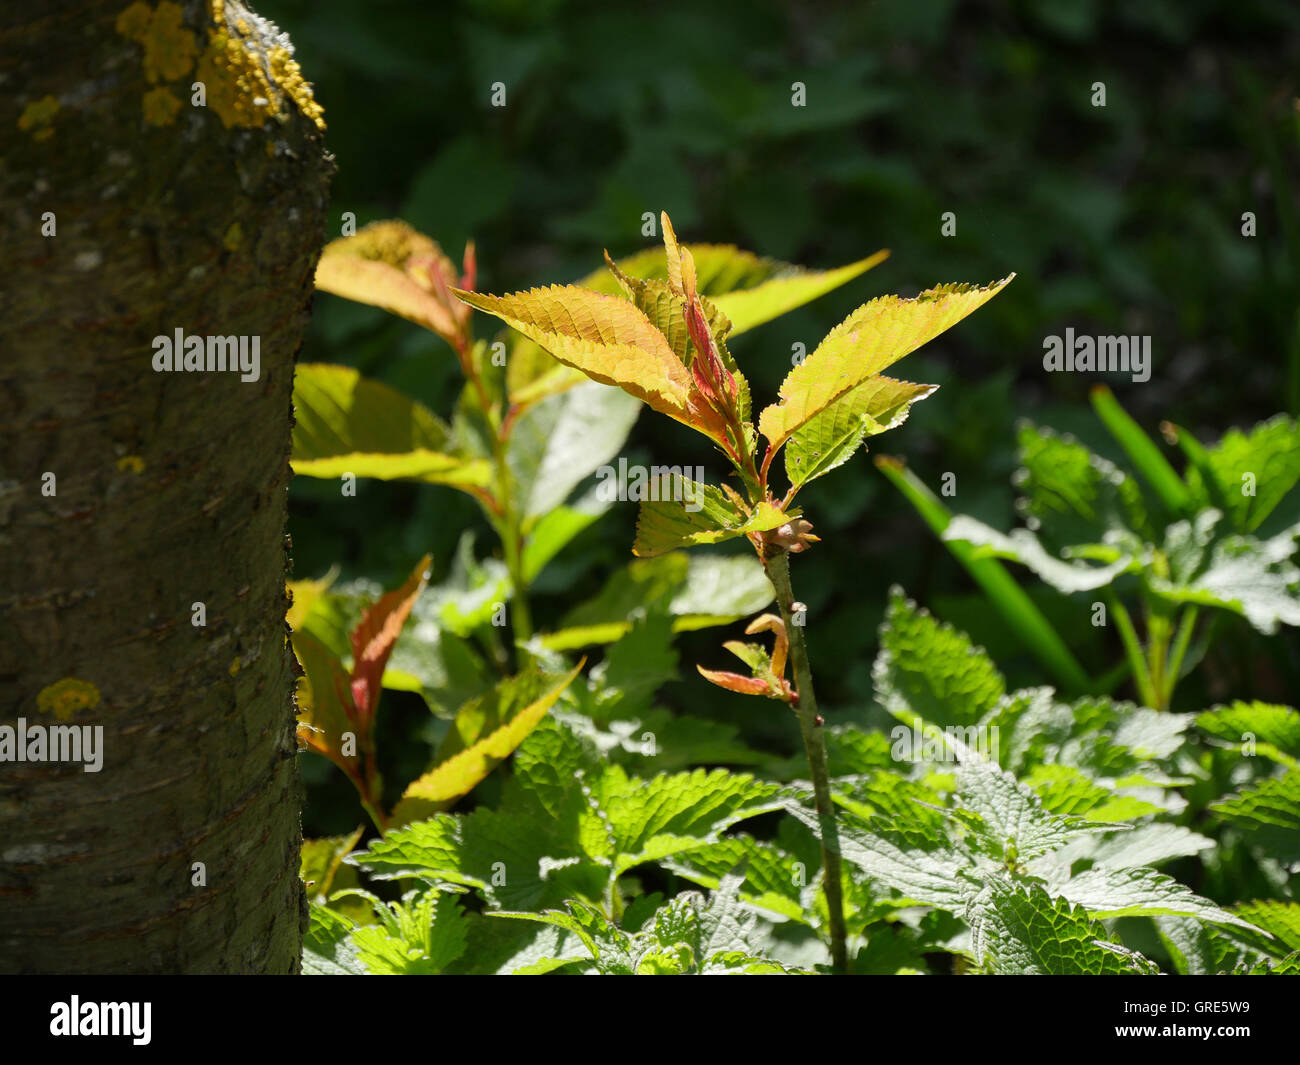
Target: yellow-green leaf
[(347, 424), (873, 337), (681, 512), (830, 439), (390, 265), (607, 338), (785, 291), (486, 731)]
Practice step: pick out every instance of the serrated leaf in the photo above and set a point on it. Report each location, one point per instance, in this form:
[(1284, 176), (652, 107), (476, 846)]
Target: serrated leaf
[(375, 636), (1140, 892), (1253, 578), (327, 948), (1249, 473), (873, 337), (346, 424), (931, 877), (829, 439), (931, 670), (1260, 725), (681, 512), (609, 340), (1018, 929)]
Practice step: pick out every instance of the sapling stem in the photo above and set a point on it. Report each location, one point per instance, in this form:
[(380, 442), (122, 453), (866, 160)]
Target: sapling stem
[(814, 742)]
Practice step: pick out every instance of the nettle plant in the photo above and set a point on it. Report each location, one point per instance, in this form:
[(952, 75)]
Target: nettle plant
[(1219, 539)]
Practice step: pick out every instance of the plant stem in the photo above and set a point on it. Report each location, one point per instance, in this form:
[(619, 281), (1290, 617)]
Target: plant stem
[(814, 741), (1179, 651), (1141, 674)]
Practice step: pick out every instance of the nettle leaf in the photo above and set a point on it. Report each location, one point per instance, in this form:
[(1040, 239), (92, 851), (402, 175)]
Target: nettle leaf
[(346, 424), (569, 825), (1270, 808), (1145, 845), (1262, 727), (1279, 919), (929, 669), (419, 936), (1009, 817), (1071, 495), (935, 875), (1023, 546), (829, 439), (1069, 791), (609, 340), (1019, 929), (1250, 577), (1141, 892), (390, 265), (327, 947), (671, 813), (874, 336), (681, 512), (484, 732), (1249, 474)]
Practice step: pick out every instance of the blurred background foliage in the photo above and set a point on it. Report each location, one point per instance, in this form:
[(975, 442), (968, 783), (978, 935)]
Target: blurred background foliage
[(1122, 219)]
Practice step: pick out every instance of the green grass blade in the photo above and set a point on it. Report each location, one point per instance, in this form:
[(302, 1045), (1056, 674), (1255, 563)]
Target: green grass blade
[(1142, 450)]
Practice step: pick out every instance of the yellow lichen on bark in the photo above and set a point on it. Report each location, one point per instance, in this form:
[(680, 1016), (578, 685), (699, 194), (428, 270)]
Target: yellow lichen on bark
[(245, 66), (65, 697), (169, 47), (37, 116), (161, 106)]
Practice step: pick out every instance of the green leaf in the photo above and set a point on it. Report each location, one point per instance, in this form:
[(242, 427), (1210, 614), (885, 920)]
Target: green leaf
[(1071, 495), (933, 876), (347, 424), (557, 443), (873, 337), (485, 731), (829, 439), (680, 512), (1268, 729), (327, 948), (421, 936), (930, 669), (555, 529), (1024, 547), (1140, 893), (1250, 577), (1018, 929), (1249, 474)]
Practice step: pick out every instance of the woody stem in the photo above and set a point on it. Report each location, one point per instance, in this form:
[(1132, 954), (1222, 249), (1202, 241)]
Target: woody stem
[(814, 741)]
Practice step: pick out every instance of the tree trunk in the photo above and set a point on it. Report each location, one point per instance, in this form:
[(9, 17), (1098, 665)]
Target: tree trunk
[(135, 205)]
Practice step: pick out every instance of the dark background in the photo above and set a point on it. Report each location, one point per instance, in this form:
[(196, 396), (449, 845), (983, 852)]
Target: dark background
[(1117, 219)]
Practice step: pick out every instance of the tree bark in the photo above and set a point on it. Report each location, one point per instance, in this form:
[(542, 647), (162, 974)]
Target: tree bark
[(169, 211)]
